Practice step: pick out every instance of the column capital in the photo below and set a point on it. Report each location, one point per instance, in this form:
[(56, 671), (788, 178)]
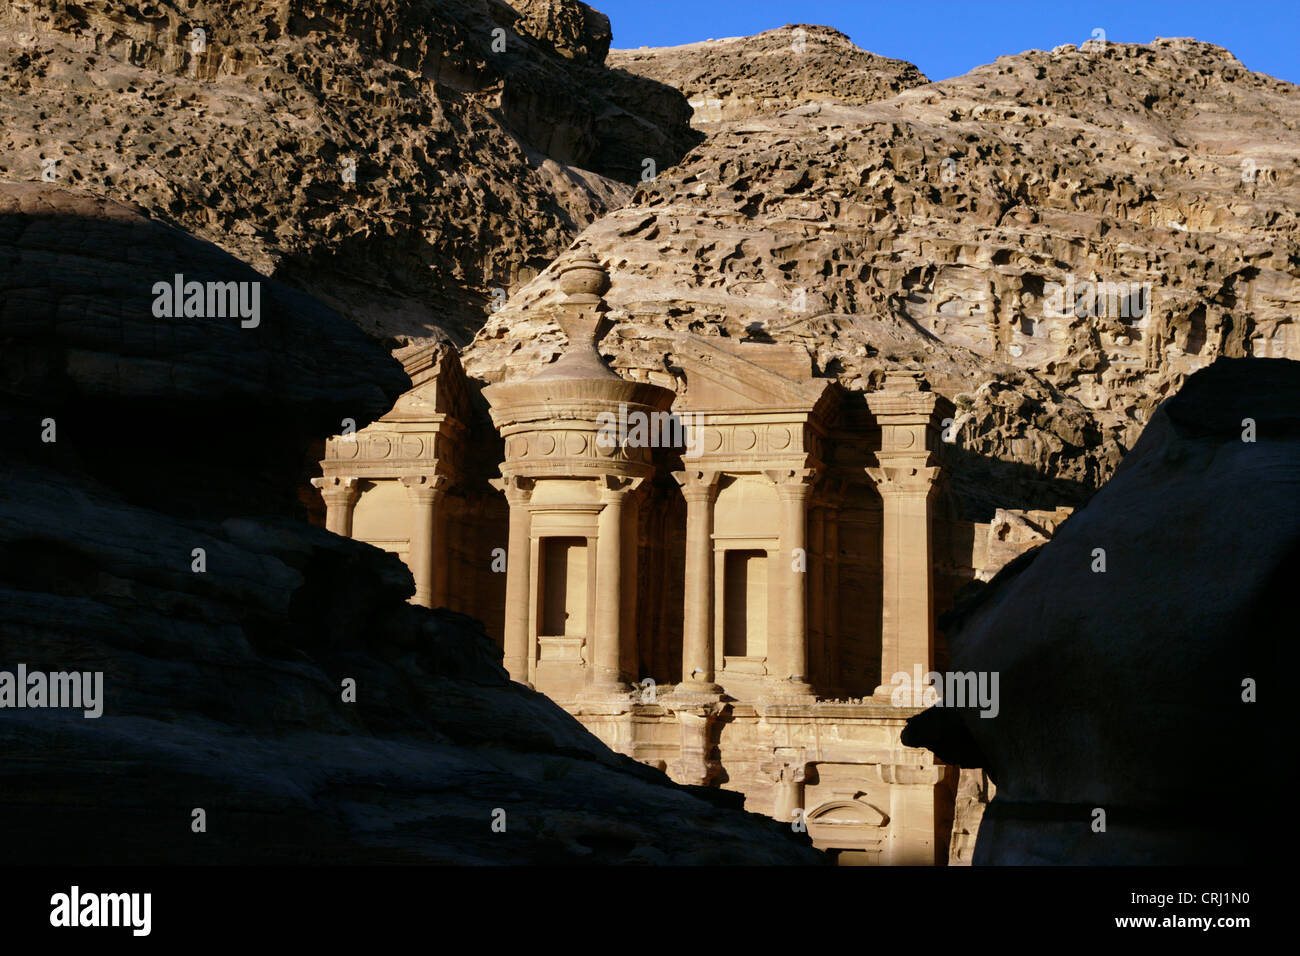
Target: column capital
[(424, 487), (786, 768), (908, 414), (909, 476), (518, 490), (618, 488), (793, 484), (336, 485), (698, 484)]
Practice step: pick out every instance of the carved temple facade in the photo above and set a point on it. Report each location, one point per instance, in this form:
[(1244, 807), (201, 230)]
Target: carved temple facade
[(719, 579)]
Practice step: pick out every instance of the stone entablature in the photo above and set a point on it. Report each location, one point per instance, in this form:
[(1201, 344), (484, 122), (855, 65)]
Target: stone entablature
[(556, 427)]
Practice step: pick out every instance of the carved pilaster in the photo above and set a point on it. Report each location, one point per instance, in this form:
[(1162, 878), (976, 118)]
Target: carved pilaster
[(905, 476), (699, 488), (789, 797), (424, 492), (831, 495), (696, 764), (606, 671), (788, 661), (914, 834), (518, 492)]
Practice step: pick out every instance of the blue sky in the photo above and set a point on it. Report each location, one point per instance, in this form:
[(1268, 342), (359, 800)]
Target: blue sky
[(947, 38)]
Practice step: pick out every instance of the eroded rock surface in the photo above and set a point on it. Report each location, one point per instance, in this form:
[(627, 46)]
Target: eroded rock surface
[(398, 159), (982, 229), (738, 78), (157, 539)]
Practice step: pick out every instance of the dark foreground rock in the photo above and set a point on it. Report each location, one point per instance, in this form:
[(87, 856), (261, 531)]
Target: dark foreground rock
[(1124, 691), (223, 688)]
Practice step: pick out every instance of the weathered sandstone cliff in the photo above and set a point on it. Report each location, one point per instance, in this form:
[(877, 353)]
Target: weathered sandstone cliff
[(1057, 239), (399, 159), (739, 78)]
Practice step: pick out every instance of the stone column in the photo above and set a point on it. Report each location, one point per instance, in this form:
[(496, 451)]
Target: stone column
[(907, 626), (442, 541), (518, 491), (915, 833), (340, 496), (606, 656), (699, 489), (789, 665), (905, 479), (719, 612), (424, 491)]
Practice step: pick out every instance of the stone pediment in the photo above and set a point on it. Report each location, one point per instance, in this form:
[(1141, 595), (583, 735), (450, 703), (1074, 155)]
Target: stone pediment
[(421, 433), (438, 385), (728, 375), (848, 813)]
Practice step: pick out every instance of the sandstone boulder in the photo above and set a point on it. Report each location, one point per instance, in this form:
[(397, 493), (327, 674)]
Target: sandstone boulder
[(1142, 653)]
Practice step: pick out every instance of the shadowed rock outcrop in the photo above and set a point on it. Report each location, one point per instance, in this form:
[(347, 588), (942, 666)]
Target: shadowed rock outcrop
[(155, 540), (1144, 652), (398, 159)]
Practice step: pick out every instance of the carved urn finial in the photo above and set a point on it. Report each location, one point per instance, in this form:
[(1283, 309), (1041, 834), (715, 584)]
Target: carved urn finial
[(584, 280), (581, 315)]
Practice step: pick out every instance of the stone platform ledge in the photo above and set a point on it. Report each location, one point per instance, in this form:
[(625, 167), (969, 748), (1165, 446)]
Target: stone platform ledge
[(868, 709), (604, 706), (667, 704), (685, 698)]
